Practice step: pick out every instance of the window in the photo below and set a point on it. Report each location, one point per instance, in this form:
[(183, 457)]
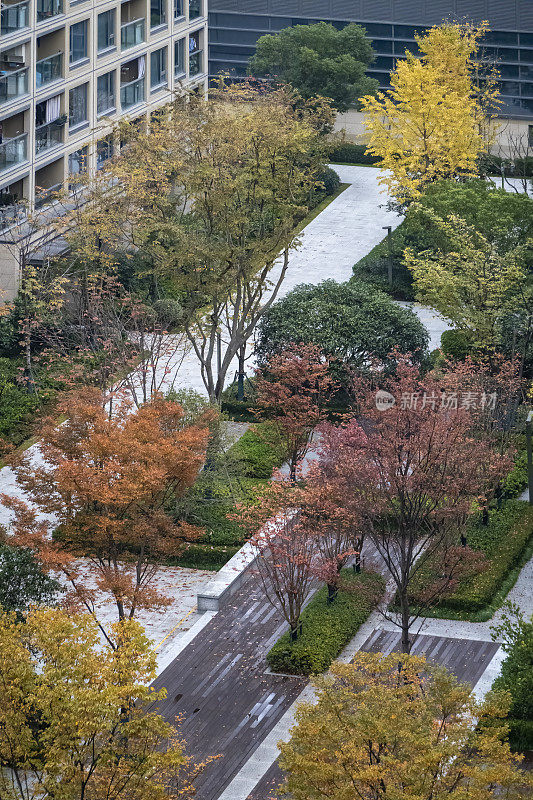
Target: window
[(105, 93), (195, 9), (104, 151), (158, 67), (530, 135), (179, 57), (178, 8), (77, 165), (158, 13), (78, 41), (106, 30), (77, 105)]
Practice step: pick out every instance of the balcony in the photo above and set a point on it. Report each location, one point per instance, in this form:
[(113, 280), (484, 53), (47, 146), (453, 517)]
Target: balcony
[(14, 18), (49, 135), (195, 9), (48, 70), (48, 8), (13, 84), (45, 196), (132, 34), (195, 63), (13, 151), (132, 93)]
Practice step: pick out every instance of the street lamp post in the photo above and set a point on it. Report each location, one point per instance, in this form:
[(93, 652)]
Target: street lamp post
[(388, 228), (529, 457)]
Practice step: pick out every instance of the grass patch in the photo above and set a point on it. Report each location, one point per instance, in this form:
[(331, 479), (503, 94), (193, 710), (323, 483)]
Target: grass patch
[(326, 629), (507, 542)]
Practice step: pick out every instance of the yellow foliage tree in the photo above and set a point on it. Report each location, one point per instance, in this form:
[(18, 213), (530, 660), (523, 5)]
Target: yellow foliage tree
[(74, 717), (468, 280), (432, 123), (391, 727)]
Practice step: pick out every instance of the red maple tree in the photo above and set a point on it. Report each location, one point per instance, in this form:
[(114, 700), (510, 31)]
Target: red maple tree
[(107, 482), (292, 391)]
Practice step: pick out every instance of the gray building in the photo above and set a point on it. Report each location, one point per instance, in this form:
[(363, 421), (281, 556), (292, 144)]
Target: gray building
[(235, 26)]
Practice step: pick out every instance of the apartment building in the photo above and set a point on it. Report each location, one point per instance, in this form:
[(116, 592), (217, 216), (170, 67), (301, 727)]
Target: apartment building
[(68, 69)]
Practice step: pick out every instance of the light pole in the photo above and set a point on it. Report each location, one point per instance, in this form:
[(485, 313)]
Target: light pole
[(529, 457), (388, 228)]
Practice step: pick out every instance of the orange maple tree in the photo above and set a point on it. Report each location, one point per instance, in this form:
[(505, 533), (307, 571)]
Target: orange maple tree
[(107, 482)]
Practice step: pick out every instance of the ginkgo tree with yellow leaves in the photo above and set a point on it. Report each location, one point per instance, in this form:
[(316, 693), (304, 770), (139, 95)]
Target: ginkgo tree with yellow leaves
[(434, 121), (77, 719), (391, 727)]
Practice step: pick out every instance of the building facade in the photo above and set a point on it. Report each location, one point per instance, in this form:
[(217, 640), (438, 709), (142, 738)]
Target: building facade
[(235, 26), (68, 70)]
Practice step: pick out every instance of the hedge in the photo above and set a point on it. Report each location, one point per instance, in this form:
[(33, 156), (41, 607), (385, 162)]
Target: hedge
[(237, 476), (326, 629), (516, 677), (351, 153), (503, 541)]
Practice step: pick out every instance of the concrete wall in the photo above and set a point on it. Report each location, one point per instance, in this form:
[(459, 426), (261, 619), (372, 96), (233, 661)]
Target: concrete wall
[(9, 271), (350, 125)]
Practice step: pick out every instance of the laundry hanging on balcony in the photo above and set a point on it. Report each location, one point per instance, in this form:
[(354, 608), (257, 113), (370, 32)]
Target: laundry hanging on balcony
[(141, 67)]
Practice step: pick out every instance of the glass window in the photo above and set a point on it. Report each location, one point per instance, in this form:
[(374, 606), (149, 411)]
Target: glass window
[(178, 8), (158, 67), (104, 151), (105, 93), (106, 29), (77, 105), (158, 13), (77, 165), (78, 40), (179, 57), (195, 9)]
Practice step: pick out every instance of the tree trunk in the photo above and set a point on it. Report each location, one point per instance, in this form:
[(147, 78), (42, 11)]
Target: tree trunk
[(404, 613), (240, 375), (332, 593)]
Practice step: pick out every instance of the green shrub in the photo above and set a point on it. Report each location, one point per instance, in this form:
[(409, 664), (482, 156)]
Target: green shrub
[(502, 541), (516, 677), (18, 406), (516, 481), (326, 629), (351, 153), (259, 451), (456, 344), (203, 556), (374, 267), (236, 476)]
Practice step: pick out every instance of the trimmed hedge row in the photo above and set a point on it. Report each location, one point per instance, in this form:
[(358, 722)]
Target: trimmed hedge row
[(503, 542), (204, 556), (326, 629), (351, 153)]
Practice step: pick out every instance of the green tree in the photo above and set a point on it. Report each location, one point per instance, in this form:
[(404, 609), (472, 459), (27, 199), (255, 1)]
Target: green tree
[(318, 60), (469, 280), (351, 322), (389, 727), (22, 581)]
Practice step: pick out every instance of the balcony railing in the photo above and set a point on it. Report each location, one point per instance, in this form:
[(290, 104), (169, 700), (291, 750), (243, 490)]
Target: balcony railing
[(195, 9), (13, 151), (132, 93), (132, 34), (49, 69), (195, 62), (13, 84), (48, 135), (48, 8), (14, 18), (45, 196), (9, 215)]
